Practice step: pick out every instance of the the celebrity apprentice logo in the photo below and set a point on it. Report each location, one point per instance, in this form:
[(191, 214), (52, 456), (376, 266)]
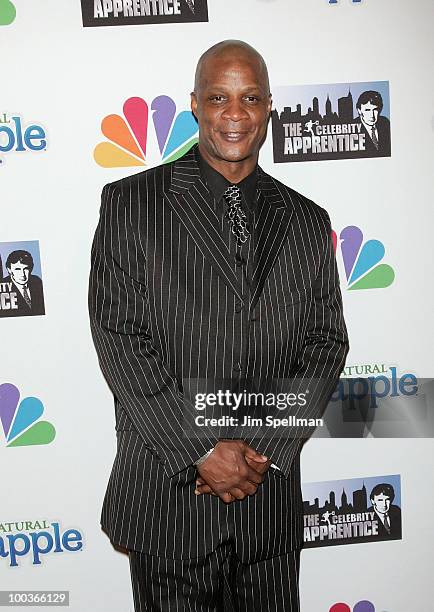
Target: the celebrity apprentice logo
[(352, 511), (21, 284), (331, 121), (130, 12)]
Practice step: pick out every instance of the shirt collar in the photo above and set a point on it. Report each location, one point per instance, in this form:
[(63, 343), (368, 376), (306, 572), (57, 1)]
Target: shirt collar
[(20, 287), (369, 127), (218, 184)]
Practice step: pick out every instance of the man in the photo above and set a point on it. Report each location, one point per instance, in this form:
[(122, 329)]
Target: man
[(375, 127), (25, 290), (208, 269), (388, 516)]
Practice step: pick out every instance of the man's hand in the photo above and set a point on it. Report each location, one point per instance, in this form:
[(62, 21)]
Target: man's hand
[(260, 466), (232, 471)]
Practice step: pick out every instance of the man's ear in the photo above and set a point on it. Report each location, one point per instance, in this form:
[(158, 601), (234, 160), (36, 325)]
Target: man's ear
[(270, 103), (193, 103)]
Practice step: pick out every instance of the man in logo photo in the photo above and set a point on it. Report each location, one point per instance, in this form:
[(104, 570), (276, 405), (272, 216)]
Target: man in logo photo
[(387, 515), (374, 125), (208, 268), (26, 297)]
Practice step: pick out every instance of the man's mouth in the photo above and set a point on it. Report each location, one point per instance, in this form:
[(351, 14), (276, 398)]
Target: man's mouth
[(233, 136)]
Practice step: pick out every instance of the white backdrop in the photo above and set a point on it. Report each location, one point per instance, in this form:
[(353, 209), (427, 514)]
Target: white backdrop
[(68, 78)]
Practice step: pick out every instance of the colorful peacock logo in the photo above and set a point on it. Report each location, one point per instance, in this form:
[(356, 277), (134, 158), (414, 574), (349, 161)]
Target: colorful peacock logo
[(361, 606), (127, 136), (20, 419), (361, 260)]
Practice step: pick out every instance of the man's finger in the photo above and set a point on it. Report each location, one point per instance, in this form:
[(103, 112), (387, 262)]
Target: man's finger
[(261, 468), (252, 454), (226, 497), (238, 493), (205, 491), (254, 476), (249, 488), (205, 488)]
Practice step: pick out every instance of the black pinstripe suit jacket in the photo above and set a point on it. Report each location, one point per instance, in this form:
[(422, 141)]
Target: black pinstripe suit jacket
[(166, 306)]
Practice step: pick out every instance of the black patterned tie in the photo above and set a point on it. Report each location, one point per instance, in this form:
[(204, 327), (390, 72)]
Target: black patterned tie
[(235, 214)]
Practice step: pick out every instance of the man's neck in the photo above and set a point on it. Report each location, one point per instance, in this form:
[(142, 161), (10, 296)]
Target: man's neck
[(234, 172)]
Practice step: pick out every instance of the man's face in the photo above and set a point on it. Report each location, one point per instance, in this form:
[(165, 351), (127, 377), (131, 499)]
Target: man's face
[(232, 106), (381, 503), (20, 273), (369, 113)]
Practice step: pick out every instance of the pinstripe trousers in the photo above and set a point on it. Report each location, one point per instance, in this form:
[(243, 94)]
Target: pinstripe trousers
[(218, 582)]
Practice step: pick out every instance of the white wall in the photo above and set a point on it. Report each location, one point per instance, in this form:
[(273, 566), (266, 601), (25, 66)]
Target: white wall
[(67, 78)]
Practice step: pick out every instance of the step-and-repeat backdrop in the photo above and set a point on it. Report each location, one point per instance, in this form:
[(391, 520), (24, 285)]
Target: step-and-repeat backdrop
[(93, 91)]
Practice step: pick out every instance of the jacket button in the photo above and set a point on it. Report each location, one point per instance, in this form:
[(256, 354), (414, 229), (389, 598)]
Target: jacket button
[(237, 367), (238, 306)]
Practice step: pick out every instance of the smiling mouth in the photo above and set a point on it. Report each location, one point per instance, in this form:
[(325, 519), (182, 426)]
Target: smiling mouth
[(233, 136)]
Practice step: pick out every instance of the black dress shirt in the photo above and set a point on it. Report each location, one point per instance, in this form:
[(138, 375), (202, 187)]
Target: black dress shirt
[(217, 184), (243, 254)]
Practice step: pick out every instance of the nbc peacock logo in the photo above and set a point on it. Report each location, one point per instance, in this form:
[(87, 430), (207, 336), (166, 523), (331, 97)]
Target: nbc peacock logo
[(360, 606), (127, 136), (8, 12), (20, 419), (361, 260)]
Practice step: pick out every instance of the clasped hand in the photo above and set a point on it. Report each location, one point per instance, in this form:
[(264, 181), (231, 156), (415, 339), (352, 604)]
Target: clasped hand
[(232, 471)]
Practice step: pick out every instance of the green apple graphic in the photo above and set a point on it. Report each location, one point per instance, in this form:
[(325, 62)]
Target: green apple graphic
[(8, 12)]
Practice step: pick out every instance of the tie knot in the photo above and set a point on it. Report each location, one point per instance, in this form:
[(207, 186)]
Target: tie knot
[(235, 214), (233, 192)]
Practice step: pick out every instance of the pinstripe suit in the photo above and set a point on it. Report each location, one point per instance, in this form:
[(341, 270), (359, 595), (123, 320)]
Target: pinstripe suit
[(166, 305)]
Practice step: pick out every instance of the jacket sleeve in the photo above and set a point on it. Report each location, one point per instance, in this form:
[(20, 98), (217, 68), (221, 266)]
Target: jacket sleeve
[(321, 359), (130, 361)]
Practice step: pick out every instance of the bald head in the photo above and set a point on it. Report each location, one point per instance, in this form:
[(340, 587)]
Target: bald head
[(232, 104), (234, 51)]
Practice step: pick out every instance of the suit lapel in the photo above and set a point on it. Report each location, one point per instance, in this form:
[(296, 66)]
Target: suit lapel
[(191, 201), (271, 228)]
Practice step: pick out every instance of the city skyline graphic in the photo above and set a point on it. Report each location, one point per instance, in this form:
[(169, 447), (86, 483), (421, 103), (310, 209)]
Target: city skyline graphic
[(322, 122), (322, 490), (288, 96)]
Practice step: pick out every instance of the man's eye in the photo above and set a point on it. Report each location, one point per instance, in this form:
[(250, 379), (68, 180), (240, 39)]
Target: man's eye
[(252, 98), (217, 98)]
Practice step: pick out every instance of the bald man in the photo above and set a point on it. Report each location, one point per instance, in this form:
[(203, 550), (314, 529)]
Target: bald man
[(209, 275)]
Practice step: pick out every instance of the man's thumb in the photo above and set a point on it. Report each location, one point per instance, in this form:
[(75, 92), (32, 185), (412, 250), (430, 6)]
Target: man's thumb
[(254, 455)]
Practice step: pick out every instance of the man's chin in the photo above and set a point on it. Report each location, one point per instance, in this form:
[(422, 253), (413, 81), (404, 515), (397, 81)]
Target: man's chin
[(234, 154)]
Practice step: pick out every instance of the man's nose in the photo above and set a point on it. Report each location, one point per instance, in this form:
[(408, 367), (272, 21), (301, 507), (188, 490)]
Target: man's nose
[(235, 111)]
